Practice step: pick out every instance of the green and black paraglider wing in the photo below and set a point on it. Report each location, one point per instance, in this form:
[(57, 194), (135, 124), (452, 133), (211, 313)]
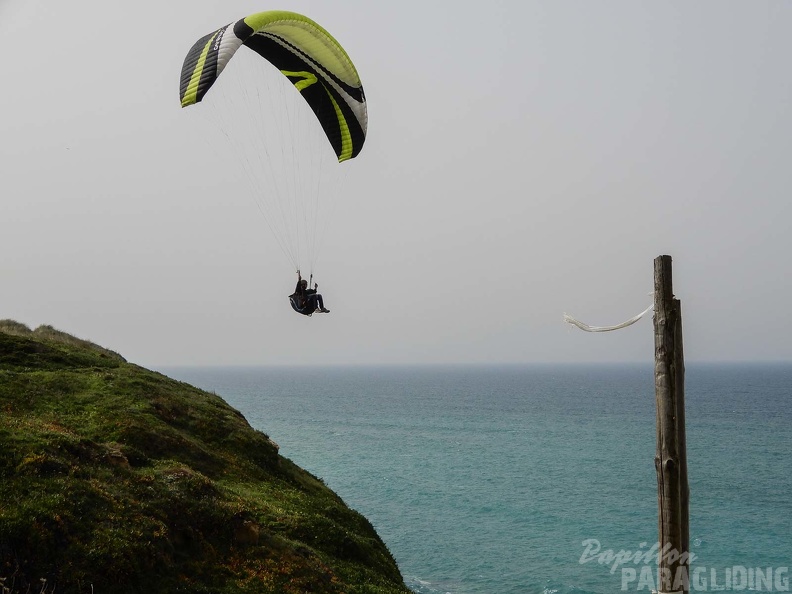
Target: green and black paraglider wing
[(304, 52)]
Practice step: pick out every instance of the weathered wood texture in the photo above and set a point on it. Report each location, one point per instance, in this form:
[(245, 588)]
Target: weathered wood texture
[(670, 457)]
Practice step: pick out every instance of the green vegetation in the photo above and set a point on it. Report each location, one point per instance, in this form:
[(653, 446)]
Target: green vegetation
[(114, 478)]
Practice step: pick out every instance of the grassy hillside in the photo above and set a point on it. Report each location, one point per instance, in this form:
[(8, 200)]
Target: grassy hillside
[(114, 478)]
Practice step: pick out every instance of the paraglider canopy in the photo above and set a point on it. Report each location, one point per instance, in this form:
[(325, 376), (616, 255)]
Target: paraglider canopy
[(305, 53)]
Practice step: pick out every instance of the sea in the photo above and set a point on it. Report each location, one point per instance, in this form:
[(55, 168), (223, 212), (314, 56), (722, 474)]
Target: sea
[(537, 479)]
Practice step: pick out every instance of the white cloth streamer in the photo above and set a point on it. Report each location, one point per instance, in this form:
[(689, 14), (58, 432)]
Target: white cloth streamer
[(570, 320)]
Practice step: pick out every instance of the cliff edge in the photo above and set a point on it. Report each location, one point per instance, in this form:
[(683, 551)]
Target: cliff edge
[(114, 478)]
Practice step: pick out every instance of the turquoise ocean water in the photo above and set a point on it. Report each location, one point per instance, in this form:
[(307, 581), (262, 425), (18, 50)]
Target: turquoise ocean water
[(490, 479)]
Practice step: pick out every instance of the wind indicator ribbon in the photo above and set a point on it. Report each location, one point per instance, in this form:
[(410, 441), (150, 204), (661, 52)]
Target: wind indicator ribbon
[(585, 327)]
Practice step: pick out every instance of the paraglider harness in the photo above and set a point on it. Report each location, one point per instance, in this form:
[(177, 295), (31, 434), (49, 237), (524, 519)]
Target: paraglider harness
[(295, 307), (294, 301)]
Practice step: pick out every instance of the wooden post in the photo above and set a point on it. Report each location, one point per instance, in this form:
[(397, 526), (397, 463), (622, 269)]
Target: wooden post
[(670, 458)]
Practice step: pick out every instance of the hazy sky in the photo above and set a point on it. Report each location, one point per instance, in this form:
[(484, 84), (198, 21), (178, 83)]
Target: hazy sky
[(523, 159)]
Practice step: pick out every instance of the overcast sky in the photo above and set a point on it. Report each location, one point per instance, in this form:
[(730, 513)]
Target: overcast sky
[(524, 159)]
